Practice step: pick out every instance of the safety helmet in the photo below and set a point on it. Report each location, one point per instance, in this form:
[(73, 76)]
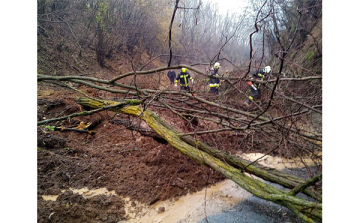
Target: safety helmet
[(217, 65), (183, 69), (267, 69)]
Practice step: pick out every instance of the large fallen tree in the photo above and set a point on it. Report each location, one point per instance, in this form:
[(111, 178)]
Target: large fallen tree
[(287, 123), (283, 124), (235, 169)]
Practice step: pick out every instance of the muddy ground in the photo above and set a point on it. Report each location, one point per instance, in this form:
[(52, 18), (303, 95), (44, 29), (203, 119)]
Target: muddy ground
[(123, 156), (133, 165)]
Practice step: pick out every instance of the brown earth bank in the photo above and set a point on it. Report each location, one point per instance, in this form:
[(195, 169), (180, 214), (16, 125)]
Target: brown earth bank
[(133, 165)]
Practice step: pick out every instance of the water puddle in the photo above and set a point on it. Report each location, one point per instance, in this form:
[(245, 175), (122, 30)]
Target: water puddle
[(85, 192), (192, 207), (189, 207), (277, 162), (49, 197)]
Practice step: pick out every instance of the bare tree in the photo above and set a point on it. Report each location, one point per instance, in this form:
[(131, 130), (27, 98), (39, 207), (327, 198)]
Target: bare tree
[(286, 123)]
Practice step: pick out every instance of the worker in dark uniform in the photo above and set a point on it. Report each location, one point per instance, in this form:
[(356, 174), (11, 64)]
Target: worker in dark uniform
[(171, 75), (214, 81), (262, 75), (184, 78)]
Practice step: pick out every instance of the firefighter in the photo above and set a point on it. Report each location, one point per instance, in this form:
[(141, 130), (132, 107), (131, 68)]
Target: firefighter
[(184, 78), (262, 75), (214, 81)]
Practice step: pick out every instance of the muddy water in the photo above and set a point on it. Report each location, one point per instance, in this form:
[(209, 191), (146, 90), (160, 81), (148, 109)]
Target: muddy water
[(277, 162), (189, 208), (85, 192), (192, 207)]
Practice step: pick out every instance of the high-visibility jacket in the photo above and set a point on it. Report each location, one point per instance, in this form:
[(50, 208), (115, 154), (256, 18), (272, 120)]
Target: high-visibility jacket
[(184, 79), (214, 80), (258, 74)]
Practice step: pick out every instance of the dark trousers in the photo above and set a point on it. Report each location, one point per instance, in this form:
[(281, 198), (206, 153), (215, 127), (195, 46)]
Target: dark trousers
[(187, 88), (214, 90), (255, 94), (172, 80)]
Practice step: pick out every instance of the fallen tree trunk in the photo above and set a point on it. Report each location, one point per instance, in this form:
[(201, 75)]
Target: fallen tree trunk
[(307, 210), (266, 173)]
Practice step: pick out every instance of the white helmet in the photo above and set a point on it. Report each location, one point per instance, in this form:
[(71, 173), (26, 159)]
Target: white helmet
[(267, 69), (217, 65)]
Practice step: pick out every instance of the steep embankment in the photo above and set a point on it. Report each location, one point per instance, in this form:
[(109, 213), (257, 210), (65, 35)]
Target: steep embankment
[(307, 56)]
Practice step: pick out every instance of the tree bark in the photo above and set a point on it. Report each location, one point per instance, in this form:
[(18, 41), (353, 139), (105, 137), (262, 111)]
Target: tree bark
[(266, 173), (307, 210)]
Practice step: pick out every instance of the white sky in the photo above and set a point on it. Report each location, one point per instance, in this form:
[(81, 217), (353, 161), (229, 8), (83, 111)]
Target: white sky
[(229, 5)]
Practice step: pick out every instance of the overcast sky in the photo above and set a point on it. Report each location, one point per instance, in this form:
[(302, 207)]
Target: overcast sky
[(229, 5)]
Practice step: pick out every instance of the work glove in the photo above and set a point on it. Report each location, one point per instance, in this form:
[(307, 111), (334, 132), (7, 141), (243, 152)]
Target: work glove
[(175, 85), (192, 81)]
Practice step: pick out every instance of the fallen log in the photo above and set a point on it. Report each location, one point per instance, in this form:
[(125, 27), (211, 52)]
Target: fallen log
[(307, 210), (266, 173), (76, 130)]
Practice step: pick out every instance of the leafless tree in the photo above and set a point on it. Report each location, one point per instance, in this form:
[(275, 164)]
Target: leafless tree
[(283, 34)]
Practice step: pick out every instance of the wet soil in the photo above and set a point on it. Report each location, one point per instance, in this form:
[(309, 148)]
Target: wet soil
[(71, 207), (123, 156), (133, 165)]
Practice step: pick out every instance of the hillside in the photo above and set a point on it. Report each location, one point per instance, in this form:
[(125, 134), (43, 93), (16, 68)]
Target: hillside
[(114, 165)]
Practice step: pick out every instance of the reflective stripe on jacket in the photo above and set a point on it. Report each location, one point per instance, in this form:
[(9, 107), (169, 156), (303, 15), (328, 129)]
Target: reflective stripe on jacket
[(259, 74), (184, 79), (214, 81)]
